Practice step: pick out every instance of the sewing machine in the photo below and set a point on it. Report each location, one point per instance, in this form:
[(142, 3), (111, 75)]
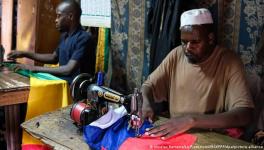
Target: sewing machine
[(91, 101)]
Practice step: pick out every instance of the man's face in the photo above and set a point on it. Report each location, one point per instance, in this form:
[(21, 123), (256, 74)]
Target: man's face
[(62, 19), (196, 44)]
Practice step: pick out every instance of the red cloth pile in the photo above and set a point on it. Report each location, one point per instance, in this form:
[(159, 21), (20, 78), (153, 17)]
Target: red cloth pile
[(181, 142)]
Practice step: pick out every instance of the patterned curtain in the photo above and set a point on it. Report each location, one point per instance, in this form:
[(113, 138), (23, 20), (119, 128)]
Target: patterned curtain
[(129, 44), (240, 26)]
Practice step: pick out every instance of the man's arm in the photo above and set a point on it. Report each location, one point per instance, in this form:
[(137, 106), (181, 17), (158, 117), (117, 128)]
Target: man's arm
[(147, 106), (237, 117), (61, 70), (43, 58)]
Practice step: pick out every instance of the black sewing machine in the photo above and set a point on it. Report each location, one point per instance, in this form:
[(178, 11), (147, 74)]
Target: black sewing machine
[(92, 101)]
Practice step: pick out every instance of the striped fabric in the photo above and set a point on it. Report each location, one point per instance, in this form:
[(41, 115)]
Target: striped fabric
[(47, 93), (102, 51)]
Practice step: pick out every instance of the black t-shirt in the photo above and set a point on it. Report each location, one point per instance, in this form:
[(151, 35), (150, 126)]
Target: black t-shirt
[(79, 46)]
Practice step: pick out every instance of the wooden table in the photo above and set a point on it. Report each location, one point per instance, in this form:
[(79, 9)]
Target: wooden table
[(57, 130), (14, 90)]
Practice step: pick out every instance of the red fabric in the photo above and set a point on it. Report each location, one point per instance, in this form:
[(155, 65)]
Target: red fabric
[(35, 147), (234, 132), (181, 142)]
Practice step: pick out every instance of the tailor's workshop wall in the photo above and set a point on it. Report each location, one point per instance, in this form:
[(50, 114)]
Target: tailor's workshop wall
[(36, 26), (239, 26)]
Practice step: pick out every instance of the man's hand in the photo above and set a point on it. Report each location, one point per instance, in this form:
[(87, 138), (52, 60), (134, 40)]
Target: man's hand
[(147, 113), (15, 54), (22, 66), (172, 127)]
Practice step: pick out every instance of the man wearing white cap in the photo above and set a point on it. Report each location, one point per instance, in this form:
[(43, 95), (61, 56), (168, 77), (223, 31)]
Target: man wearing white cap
[(204, 83)]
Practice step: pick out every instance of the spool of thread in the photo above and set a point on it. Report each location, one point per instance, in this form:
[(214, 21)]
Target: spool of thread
[(83, 114), (77, 111)]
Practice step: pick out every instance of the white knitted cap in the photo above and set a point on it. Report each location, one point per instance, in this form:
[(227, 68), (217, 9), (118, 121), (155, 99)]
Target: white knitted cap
[(196, 17)]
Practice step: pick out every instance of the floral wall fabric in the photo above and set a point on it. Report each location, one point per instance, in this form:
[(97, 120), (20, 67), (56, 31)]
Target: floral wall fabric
[(239, 26), (129, 44)]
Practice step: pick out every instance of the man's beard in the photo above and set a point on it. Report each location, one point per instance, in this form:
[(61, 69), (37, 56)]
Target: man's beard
[(191, 58)]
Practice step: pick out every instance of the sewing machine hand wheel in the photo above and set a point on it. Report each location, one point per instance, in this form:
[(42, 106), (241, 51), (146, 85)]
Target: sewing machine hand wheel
[(78, 88)]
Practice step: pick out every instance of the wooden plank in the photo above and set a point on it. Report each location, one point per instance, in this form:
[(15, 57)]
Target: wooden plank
[(7, 24), (11, 81), (8, 130), (12, 115), (26, 27), (47, 36), (14, 88), (36, 29), (13, 97)]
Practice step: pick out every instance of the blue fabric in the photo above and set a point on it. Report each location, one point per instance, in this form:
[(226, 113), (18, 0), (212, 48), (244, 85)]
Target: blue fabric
[(112, 137), (74, 47)]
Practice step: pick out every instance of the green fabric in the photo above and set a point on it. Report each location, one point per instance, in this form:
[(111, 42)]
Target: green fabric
[(27, 73)]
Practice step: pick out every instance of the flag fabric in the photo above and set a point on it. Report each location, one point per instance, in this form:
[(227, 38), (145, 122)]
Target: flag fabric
[(177, 142), (47, 93), (102, 50), (111, 130), (36, 147)]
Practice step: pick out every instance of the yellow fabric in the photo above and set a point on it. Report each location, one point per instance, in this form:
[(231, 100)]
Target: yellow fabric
[(99, 66), (45, 96)]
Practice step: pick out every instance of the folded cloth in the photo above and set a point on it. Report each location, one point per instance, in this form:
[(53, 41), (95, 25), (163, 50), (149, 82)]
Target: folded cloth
[(181, 142), (111, 130), (47, 93), (110, 118), (35, 147), (234, 132)]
